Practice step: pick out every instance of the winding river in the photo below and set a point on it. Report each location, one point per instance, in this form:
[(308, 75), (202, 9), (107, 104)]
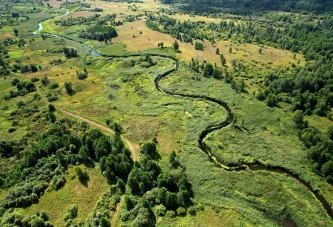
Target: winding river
[(229, 121)]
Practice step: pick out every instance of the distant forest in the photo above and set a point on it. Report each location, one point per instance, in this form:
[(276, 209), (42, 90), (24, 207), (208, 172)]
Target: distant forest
[(242, 6)]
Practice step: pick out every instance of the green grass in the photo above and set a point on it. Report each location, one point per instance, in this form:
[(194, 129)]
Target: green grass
[(16, 54), (126, 94), (112, 49), (263, 134), (252, 194), (55, 203)]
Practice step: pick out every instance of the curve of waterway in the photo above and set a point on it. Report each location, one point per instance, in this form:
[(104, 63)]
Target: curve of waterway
[(229, 121), (40, 25)]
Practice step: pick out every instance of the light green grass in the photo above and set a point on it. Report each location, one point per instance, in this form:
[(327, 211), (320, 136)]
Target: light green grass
[(55, 203)]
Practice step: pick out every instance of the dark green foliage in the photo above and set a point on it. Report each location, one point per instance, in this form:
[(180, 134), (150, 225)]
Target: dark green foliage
[(82, 75), (104, 222), (245, 7), (33, 68), (217, 74), (330, 132), (51, 108), (298, 119), (208, 70), (82, 175), (71, 212), (69, 89), (7, 149), (199, 46), (327, 168), (45, 80), (52, 98), (171, 200), (20, 104), (99, 32), (175, 46), (70, 52), (128, 202), (37, 222), (121, 185), (149, 149), (117, 128), (44, 216), (172, 160), (53, 85), (139, 181), (271, 100), (15, 81)]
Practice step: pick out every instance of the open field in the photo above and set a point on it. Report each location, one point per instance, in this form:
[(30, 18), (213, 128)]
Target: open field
[(55, 203)]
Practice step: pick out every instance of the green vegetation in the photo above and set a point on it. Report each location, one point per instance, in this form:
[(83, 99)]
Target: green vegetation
[(99, 32), (251, 85)]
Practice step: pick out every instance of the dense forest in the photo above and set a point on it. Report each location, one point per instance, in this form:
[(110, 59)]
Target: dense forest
[(246, 6)]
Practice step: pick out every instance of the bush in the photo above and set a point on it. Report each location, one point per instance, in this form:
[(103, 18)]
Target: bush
[(34, 79), (69, 89), (37, 222), (33, 68), (330, 132), (192, 211), (82, 75), (71, 213), (124, 215), (10, 130), (52, 98), (20, 104), (44, 216), (51, 108), (170, 213), (70, 52), (58, 182), (53, 85), (181, 211), (160, 210), (104, 222)]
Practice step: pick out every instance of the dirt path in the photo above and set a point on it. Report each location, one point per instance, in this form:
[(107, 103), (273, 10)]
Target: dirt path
[(115, 216), (132, 146)]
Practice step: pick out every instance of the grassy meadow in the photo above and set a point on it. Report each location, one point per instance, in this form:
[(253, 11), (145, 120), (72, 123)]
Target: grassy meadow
[(55, 203), (122, 90)]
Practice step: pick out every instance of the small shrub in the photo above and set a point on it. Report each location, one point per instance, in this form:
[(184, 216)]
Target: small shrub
[(52, 98), (51, 108), (37, 222), (181, 211), (20, 104), (53, 85), (78, 88), (124, 215), (15, 81), (170, 213), (34, 79), (104, 222), (12, 129), (192, 211), (160, 210), (44, 216), (82, 75)]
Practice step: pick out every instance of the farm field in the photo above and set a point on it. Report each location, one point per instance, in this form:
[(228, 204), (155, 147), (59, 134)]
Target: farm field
[(165, 113)]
